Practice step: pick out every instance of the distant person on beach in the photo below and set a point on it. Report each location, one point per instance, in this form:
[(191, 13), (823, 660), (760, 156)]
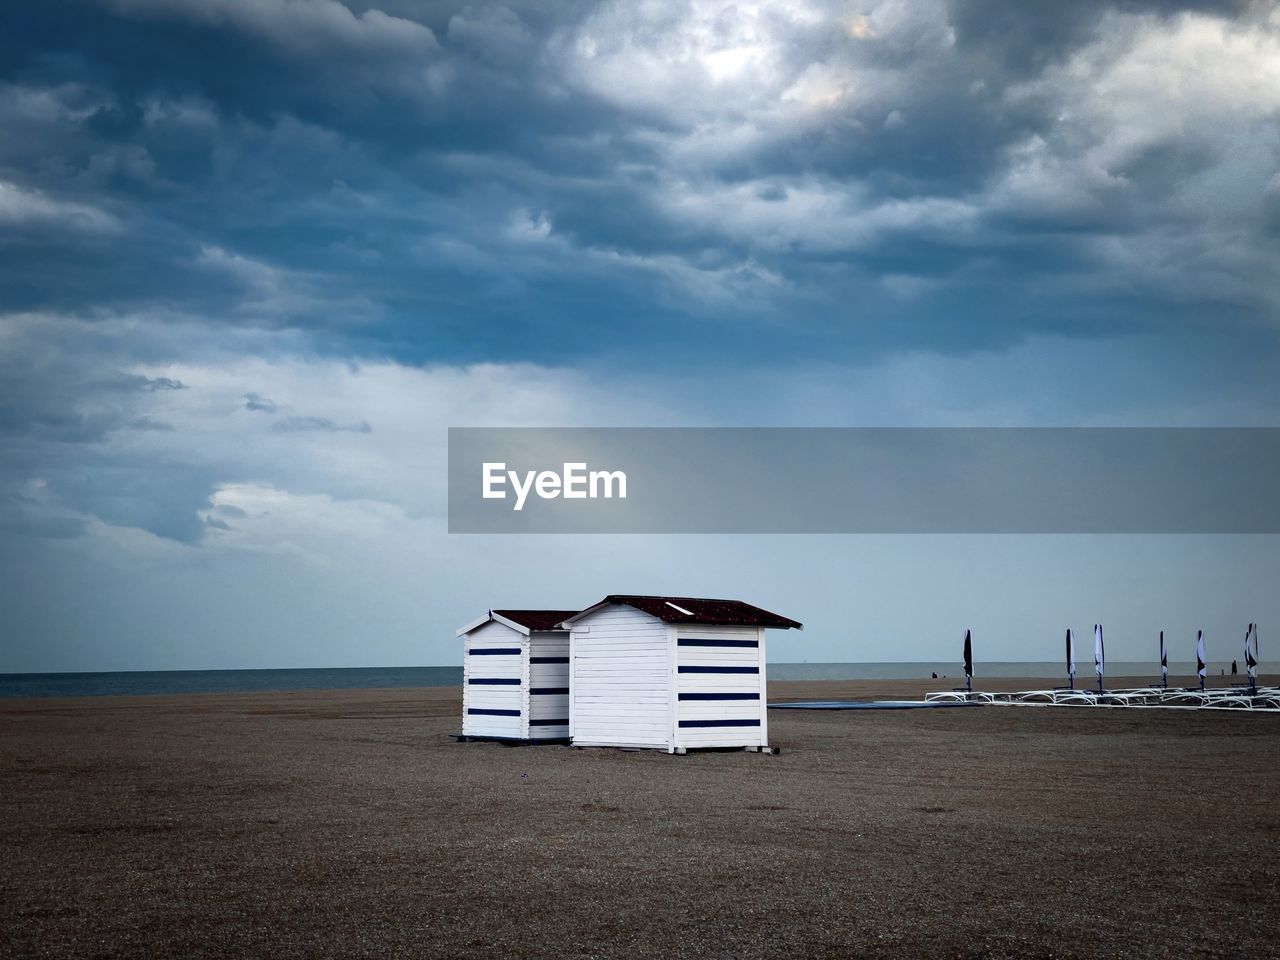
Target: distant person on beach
[(935, 674), (1234, 671)]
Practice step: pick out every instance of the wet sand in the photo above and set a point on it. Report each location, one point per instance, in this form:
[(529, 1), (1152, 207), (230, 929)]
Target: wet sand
[(347, 823)]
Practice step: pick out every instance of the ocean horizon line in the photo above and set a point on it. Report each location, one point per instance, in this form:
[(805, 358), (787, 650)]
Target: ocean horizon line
[(1056, 664), (48, 684)]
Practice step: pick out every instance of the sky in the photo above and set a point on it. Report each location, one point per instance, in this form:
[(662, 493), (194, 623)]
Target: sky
[(256, 256)]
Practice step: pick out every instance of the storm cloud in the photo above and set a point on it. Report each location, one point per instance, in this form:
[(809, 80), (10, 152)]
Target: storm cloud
[(256, 255), (491, 182)]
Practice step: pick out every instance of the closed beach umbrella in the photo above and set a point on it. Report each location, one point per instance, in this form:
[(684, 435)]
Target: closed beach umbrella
[(1099, 654), (1251, 656), (968, 658), (1202, 665), (1071, 659), (1164, 661)]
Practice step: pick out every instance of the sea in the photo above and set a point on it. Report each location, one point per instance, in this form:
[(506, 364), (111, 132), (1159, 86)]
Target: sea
[(135, 683)]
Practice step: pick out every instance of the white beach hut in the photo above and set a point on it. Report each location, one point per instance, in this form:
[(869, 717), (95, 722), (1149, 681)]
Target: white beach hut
[(515, 683), (669, 673)]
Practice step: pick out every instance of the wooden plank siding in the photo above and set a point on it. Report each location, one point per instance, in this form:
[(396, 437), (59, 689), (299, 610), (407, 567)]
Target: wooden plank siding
[(548, 685), (494, 683), (720, 686), (620, 680), (637, 681)]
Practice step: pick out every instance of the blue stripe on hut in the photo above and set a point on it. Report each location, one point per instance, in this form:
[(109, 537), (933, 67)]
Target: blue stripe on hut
[(670, 673), (516, 676)]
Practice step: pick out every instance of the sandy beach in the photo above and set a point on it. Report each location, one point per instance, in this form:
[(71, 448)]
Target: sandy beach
[(348, 824)]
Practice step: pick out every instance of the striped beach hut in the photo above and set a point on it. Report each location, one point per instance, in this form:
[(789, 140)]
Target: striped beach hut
[(669, 673), (515, 670)]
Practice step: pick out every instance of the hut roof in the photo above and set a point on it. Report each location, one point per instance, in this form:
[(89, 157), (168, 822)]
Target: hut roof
[(525, 621), (537, 619), (699, 610)]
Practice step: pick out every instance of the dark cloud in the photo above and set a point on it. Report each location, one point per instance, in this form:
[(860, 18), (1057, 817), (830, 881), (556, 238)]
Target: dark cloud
[(26, 511), (146, 423), (363, 173), (301, 424), (1022, 38), (704, 187), (320, 424), (151, 384), (253, 401), (160, 498), (52, 394)]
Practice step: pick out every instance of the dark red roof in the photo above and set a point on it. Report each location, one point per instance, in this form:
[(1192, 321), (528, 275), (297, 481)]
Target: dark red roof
[(729, 612), (537, 619)]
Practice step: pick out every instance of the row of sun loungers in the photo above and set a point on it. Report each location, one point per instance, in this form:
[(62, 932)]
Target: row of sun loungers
[(1212, 698)]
